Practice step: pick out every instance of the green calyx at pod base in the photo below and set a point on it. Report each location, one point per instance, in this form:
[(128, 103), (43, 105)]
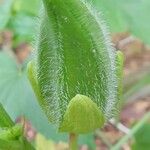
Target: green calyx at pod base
[(76, 73)]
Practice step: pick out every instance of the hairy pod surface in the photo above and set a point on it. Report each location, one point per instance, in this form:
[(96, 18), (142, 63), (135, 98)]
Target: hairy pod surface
[(74, 56)]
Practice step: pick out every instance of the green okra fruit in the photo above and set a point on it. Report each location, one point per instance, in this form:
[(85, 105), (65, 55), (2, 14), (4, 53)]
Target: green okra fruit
[(74, 67)]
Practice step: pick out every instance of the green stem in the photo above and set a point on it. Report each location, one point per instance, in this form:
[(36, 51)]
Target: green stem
[(73, 138), (132, 132)]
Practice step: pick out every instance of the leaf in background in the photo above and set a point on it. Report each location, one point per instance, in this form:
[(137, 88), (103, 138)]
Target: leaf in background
[(142, 138), (128, 15), (11, 133), (113, 15), (25, 6), (23, 19), (5, 12), (10, 145), (19, 16), (5, 120), (23, 27), (136, 14), (18, 99), (21, 144)]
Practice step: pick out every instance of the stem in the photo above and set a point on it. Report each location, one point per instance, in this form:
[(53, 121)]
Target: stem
[(132, 132), (119, 126), (73, 141)]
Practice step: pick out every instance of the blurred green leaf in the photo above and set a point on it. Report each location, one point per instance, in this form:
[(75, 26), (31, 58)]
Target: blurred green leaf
[(11, 133), (10, 145), (23, 20), (20, 144), (23, 27), (19, 16), (142, 138), (5, 120), (5, 12), (137, 17), (17, 96), (112, 13), (25, 6), (127, 15)]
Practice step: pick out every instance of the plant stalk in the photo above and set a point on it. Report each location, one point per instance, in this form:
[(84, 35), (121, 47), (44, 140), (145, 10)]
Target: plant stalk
[(73, 144)]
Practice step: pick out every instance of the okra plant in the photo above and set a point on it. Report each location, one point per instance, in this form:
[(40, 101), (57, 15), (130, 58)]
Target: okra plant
[(76, 72)]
